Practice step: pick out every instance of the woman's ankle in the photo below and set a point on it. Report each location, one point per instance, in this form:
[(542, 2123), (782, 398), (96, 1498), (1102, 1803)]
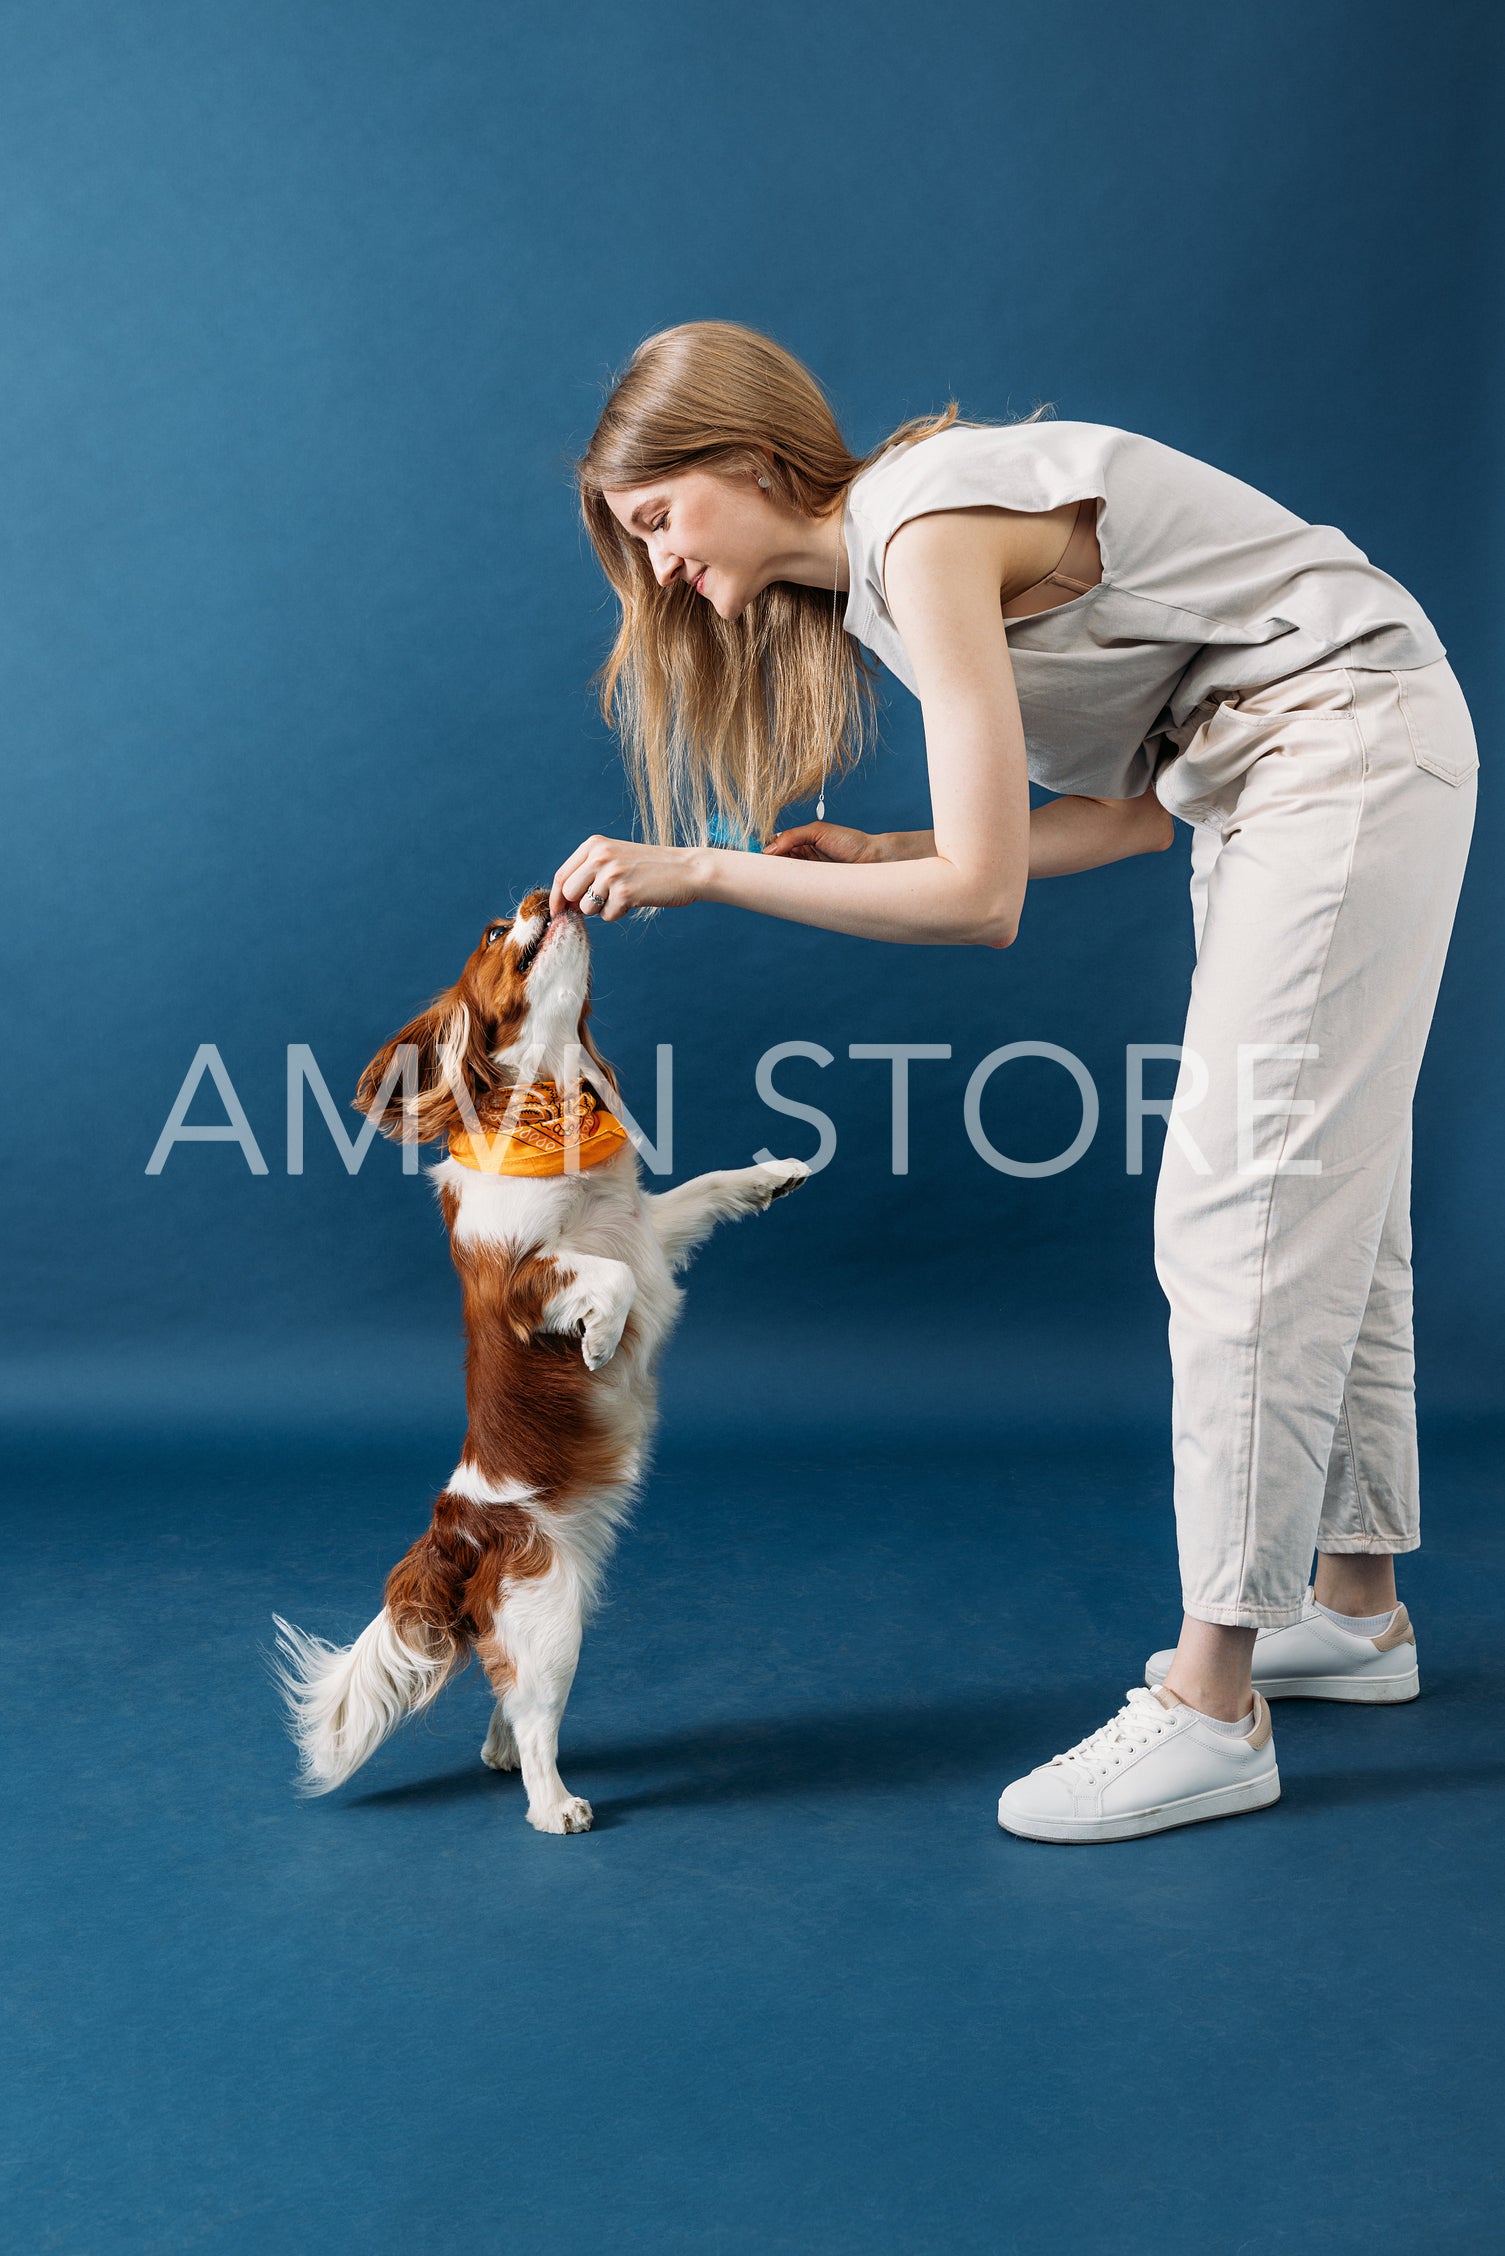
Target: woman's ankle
[(1356, 1583), (1211, 1670)]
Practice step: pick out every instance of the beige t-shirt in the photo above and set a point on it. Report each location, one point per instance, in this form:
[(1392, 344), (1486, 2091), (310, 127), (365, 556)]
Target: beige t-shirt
[(1208, 587)]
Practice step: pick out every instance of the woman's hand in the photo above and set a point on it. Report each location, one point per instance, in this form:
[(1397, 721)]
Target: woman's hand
[(833, 842), (606, 877), (825, 842)]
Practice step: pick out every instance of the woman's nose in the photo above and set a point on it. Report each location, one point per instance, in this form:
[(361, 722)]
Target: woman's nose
[(665, 565)]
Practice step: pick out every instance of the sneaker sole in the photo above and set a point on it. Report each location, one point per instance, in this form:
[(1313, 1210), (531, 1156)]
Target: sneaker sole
[(1222, 1801), (1364, 1691)]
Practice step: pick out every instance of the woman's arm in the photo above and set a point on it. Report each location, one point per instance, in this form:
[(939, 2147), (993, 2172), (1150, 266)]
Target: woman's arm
[(944, 573), (1082, 833), (1065, 835), (917, 901)]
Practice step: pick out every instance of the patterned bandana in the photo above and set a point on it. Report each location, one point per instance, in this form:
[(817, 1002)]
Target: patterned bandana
[(549, 1127)]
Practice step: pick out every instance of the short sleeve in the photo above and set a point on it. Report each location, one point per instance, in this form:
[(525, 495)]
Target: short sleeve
[(1033, 466)]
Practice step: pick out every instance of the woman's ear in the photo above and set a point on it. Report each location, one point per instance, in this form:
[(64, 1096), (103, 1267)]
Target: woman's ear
[(413, 1080), (762, 468)]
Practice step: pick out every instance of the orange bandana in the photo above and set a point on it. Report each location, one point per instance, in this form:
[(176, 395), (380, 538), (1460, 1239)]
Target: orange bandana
[(548, 1127)]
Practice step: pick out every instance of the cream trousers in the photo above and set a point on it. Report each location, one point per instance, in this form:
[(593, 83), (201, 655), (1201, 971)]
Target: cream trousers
[(1331, 815)]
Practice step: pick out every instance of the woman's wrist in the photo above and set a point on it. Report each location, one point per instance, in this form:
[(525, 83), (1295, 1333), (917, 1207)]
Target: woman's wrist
[(905, 845), (703, 865)]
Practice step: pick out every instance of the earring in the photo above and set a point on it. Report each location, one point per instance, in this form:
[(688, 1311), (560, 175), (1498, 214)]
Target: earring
[(765, 483)]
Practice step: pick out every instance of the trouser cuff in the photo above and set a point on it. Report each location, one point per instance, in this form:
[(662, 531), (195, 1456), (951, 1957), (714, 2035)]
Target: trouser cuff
[(1366, 1546), (1243, 1617)]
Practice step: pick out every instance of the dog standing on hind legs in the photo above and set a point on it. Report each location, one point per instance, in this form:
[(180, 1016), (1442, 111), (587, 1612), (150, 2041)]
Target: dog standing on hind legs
[(567, 1267)]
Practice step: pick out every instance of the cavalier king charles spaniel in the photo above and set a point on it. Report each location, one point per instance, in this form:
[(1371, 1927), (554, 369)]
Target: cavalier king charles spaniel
[(567, 1268)]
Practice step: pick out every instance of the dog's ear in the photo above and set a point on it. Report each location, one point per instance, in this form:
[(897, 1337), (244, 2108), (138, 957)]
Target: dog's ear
[(587, 1044), (411, 1082)]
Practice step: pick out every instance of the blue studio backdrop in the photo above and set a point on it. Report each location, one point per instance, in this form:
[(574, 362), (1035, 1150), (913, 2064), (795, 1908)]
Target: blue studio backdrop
[(308, 306), (311, 308)]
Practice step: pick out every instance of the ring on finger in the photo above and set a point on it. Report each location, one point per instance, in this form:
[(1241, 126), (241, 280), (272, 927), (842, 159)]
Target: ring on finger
[(593, 900)]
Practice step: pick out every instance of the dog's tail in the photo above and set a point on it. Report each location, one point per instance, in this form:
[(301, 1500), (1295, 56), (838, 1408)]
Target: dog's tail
[(343, 1701)]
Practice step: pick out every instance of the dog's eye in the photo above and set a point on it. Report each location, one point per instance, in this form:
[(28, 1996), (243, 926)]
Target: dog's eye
[(494, 932)]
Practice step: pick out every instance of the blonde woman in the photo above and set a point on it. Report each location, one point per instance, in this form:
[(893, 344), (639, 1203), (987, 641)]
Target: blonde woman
[(1145, 637)]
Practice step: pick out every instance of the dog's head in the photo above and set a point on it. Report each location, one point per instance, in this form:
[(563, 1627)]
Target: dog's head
[(517, 1012)]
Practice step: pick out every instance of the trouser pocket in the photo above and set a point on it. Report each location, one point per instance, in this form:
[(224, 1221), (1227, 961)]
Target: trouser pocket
[(1437, 721)]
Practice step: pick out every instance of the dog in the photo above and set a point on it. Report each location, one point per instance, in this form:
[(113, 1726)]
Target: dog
[(568, 1272)]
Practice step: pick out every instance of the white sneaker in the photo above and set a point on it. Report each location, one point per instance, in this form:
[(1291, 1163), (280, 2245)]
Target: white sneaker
[(1315, 1659), (1154, 1765)]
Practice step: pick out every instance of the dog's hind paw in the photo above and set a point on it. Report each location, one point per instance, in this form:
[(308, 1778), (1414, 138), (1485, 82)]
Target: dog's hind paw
[(570, 1816), (500, 1749)]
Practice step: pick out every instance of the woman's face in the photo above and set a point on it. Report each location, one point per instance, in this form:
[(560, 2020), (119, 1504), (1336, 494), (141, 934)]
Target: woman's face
[(721, 534)]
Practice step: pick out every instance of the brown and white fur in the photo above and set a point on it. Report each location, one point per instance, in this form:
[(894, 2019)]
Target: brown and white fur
[(569, 1294)]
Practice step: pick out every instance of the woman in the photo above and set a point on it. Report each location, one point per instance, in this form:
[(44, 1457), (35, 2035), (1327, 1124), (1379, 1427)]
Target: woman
[(1145, 637)]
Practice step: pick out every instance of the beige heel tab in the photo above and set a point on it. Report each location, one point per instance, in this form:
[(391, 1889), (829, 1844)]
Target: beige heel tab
[(1400, 1632), (1261, 1731)]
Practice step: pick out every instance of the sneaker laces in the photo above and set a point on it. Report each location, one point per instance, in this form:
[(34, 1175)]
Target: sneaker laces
[(1140, 1721)]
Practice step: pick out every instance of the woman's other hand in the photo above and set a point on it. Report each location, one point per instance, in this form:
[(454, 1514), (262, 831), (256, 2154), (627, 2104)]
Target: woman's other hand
[(606, 877), (834, 842), (825, 842)]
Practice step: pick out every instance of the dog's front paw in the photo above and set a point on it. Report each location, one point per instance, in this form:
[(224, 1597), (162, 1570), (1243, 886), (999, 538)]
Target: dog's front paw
[(569, 1816), (779, 1177), (594, 1301), (601, 1338)]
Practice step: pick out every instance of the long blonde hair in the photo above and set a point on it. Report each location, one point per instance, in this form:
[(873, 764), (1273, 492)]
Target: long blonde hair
[(734, 718)]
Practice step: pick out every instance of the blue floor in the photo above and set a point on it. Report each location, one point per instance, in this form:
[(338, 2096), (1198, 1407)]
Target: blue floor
[(796, 1992)]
